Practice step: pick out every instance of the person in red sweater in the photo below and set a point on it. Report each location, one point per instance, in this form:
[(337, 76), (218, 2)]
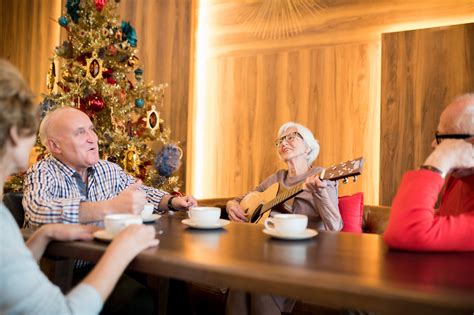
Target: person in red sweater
[(414, 222)]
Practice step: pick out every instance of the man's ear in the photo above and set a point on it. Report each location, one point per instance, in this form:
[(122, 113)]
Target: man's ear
[(53, 146)]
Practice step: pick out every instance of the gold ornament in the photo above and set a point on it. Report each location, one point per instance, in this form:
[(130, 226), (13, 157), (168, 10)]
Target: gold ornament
[(153, 120), (67, 76), (131, 161), (94, 67), (51, 77), (133, 60)]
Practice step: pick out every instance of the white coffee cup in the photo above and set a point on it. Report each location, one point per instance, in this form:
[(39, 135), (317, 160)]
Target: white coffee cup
[(147, 210), (287, 223), (204, 215), (114, 223)]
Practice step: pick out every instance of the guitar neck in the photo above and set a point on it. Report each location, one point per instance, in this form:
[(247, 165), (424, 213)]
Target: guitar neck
[(284, 196)]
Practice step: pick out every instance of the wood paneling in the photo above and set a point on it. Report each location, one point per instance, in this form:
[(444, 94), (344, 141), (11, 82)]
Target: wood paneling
[(422, 71), (164, 38), (29, 32)]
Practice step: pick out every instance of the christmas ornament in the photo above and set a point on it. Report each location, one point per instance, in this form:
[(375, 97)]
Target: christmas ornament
[(100, 4), (96, 103), (112, 50), (131, 161), (72, 7), (168, 159), (138, 74), (133, 60), (51, 77), (118, 35), (152, 120), (67, 76), (129, 33), (94, 68), (63, 21), (139, 102)]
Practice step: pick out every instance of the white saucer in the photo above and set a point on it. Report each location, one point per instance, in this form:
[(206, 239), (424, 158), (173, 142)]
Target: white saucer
[(195, 225), (103, 235), (308, 233), (151, 218)]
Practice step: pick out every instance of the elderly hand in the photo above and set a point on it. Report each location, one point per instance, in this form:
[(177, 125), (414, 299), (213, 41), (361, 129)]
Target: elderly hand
[(135, 238), (235, 212), (184, 203), (70, 232), (130, 200), (314, 184), (452, 154)]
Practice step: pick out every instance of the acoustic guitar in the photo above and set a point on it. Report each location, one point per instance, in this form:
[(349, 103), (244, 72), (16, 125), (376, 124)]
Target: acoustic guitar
[(257, 205)]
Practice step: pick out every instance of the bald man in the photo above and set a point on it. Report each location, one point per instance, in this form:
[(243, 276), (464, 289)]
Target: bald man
[(74, 186), (414, 223)]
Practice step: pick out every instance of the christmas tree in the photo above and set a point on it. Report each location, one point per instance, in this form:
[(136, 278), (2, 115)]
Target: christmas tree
[(97, 70)]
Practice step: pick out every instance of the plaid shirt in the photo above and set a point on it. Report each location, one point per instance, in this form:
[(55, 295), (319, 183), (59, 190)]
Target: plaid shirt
[(53, 191)]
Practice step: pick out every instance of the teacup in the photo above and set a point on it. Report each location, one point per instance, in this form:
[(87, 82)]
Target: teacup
[(147, 210), (114, 223), (204, 215), (287, 223)]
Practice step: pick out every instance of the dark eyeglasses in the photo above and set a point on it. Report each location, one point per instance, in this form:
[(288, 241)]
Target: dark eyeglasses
[(289, 138), (441, 136)]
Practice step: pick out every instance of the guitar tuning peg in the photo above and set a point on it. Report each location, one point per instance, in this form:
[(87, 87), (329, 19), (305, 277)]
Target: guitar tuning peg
[(344, 180), (354, 178)]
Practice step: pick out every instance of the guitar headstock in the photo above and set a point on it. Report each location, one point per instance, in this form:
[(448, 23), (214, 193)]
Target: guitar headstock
[(343, 170)]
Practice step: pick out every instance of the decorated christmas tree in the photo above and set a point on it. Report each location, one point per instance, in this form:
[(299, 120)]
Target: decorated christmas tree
[(98, 71)]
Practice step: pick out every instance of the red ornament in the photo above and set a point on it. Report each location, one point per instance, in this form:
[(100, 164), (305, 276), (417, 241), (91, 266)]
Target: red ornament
[(100, 4), (111, 81), (96, 103)]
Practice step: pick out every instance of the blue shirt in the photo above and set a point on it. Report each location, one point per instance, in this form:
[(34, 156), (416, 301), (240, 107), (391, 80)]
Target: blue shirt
[(53, 191)]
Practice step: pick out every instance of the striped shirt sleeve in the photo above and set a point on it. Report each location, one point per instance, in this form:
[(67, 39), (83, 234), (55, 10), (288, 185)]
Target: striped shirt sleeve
[(41, 203)]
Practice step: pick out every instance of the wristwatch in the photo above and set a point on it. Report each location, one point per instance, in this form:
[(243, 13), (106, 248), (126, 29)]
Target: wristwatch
[(170, 203), (433, 169)]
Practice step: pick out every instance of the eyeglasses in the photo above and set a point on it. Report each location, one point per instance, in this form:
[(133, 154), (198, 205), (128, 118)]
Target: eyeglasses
[(290, 138), (441, 136)]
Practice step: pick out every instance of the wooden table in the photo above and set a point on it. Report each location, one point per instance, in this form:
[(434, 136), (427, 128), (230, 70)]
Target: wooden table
[(341, 270)]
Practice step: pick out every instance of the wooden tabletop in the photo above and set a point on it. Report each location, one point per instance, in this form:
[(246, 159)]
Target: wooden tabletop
[(342, 270)]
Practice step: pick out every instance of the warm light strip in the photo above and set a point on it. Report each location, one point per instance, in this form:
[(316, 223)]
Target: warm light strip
[(200, 91)]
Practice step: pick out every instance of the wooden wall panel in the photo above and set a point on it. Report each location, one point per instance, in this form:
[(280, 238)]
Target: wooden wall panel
[(28, 35), (422, 71), (164, 42)]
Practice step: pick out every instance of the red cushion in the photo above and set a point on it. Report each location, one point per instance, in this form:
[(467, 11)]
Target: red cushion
[(351, 209)]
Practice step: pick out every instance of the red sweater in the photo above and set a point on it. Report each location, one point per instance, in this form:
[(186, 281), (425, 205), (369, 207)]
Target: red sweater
[(413, 223)]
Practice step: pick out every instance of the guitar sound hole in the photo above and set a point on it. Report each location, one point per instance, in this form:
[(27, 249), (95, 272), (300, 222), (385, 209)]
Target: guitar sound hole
[(256, 214)]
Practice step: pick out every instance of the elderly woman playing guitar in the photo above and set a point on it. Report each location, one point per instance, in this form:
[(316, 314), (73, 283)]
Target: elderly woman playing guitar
[(298, 148)]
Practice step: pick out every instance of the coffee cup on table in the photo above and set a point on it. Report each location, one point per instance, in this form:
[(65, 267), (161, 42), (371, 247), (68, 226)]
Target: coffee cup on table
[(114, 223), (287, 223), (204, 215), (147, 210)]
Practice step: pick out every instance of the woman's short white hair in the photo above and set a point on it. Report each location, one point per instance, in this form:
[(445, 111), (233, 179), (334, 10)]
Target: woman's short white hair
[(308, 138)]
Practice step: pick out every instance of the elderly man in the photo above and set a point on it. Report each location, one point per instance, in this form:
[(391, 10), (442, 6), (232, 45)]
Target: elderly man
[(74, 186), (414, 224)]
